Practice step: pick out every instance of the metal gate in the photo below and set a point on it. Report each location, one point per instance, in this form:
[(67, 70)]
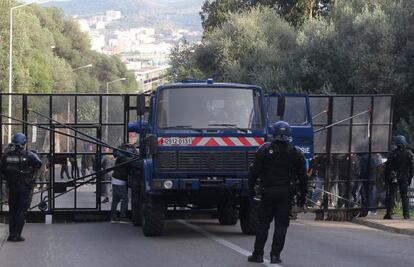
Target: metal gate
[(366, 135), (352, 152), (54, 124)]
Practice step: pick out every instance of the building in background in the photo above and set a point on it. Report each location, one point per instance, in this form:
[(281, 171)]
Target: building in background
[(144, 50), (149, 78)]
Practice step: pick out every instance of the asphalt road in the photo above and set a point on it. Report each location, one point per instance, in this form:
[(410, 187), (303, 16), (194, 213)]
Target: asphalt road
[(200, 242)]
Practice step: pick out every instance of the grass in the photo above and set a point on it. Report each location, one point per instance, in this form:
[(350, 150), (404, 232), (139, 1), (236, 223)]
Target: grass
[(399, 211)]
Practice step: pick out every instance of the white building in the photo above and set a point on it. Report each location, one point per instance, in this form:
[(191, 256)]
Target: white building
[(100, 25), (97, 42), (150, 77), (133, 65), (113, 15), (83, 25)]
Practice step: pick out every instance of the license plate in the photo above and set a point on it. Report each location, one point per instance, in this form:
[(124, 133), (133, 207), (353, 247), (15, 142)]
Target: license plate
[(177, 141)]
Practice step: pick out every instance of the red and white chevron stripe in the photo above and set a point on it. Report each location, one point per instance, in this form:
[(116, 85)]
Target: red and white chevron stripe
[(210, 141)]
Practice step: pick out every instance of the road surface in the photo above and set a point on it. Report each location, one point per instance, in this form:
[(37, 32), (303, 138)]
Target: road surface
[(202, 242)]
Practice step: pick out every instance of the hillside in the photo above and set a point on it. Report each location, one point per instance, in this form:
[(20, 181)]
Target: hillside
[(152, 13)]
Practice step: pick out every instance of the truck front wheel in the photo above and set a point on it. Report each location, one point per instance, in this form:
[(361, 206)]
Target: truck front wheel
[(153, 216), (227, 213), (136, 199), (136, 212), (249, 217)]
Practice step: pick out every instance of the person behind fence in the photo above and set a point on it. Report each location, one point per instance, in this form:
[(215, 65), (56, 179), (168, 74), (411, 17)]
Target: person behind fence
[(399, 173), (354, 175), (317, 173), (119, 184), (87, 160), (18, 166), (42, 175), (74, 168), (279, 165), (108, 161), (64, 169), (341, 169)]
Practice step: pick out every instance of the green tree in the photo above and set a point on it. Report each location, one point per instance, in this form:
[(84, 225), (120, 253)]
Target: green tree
[(215, 12), (252, 47), (47, 48), (183, 62)]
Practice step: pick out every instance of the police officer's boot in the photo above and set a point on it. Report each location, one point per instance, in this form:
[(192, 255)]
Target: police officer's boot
[(19, 238), (388, 216), (15, 238), (275, 258), (255, 257)]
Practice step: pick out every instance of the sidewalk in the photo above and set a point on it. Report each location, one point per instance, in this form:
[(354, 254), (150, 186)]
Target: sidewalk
[(3, 233), (397, 225)]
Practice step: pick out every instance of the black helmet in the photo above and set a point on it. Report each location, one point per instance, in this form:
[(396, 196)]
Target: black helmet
[(282, 131), (400, 140), (19, 139)]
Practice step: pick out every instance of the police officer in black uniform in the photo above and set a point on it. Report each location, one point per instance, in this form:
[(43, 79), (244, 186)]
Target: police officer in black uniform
[(18, 166), (279, 165), (399, 173)]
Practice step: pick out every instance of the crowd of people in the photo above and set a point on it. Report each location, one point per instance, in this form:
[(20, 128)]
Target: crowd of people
[(361, 180), (354, 180)]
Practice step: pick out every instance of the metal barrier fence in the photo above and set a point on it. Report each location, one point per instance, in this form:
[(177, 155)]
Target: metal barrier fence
[(350, 155), (66, 158)]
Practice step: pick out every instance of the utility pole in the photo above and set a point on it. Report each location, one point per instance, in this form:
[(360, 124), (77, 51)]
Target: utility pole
[(11, 66), (312, 5)]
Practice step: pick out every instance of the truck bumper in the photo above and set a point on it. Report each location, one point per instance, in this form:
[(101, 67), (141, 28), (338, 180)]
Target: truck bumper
[(196, 184)]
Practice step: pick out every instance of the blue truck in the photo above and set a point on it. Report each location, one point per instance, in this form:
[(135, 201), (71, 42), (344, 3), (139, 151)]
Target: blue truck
[(197, 140)]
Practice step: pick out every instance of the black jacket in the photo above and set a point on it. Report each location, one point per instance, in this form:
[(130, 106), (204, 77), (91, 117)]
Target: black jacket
[(18, 165), (279, 164), (122, 172), (400, 161)]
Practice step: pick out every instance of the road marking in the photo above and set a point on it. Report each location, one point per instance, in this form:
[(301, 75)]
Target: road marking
[(297, 223), (222, 241)]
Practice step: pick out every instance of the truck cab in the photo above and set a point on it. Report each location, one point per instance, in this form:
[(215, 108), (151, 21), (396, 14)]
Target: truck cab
[(197, 142), (296, 112)]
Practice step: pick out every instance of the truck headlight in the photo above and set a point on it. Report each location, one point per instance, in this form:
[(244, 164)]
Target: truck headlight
[(168, 184)]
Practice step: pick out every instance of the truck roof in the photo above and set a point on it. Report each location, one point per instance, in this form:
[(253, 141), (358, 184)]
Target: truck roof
[(193, 83)]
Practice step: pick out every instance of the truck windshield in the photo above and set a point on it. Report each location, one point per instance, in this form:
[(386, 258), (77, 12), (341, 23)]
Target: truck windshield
[(209, 108), (296, 110)]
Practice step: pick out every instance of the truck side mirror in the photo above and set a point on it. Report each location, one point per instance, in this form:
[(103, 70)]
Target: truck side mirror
[(140, 104), (281, 102)]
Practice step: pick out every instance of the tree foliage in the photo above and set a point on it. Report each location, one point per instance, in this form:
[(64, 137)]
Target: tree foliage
[(184, 63), (47, 49), (215, 12), (347, 47), (250, 48)]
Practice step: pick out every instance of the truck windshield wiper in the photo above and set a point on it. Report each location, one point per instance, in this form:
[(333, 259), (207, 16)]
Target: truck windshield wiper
[(228, 125), (186, 127)]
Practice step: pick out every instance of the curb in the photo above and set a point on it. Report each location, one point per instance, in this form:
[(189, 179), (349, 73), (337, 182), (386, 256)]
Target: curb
[(3, 235), (383, 227)]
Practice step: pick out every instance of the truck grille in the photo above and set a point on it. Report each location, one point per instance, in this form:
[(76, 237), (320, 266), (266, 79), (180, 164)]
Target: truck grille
[(204, 160)]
